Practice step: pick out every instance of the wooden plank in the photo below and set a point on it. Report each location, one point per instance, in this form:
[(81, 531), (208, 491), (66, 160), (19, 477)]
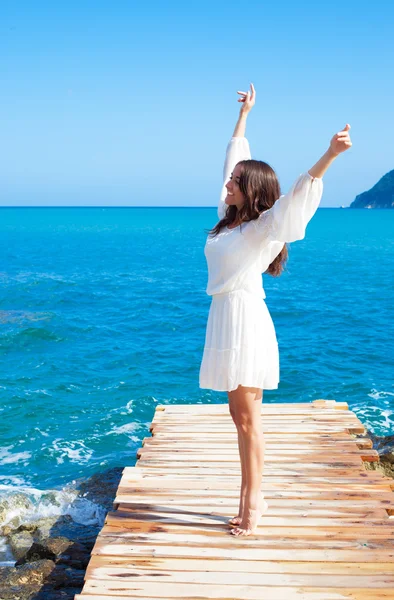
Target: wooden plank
[(290, 419), (176, 481), (278, 407), (127, 577), (377, 529), (269, 457), (266, 419), (188, 592), (271, 591), (205, 536), (303, 506), (356, 473), (271, 488), (350, 527), (227, 430), (290, 435), (242, 549), (171, 480), (275, 449), (237, 566), (288, 498), (300, 468), (272, 441), (276, 503), (283, 419)]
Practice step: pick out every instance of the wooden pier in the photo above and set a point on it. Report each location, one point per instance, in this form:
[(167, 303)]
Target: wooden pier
[(327, 535)]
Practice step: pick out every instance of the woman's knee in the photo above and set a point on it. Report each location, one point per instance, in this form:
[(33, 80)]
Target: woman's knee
[(246, 405), (249, 419), (249, 426)]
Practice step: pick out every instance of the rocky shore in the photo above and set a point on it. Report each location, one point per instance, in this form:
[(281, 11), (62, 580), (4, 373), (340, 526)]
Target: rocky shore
[(51, 554)]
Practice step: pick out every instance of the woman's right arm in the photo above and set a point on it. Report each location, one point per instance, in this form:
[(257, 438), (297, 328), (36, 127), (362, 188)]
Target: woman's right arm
[(238, 146)]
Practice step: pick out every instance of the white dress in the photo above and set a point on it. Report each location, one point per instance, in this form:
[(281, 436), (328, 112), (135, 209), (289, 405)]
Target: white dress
[(240, 341)]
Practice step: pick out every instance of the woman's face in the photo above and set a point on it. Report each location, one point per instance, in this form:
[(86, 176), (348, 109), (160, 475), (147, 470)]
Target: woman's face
[(234, 194)]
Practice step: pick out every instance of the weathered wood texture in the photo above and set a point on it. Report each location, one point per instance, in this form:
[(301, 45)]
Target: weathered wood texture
[(327, 535)]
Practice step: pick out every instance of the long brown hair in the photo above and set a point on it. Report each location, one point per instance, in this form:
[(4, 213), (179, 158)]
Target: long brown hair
[(260, 187)]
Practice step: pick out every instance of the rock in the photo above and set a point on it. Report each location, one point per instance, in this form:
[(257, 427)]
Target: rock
[(31, 526), (60, 549), (46, 528), (20, 543), (35, 553), (20, 592), (101, 487), (76, 555), (4, 572), (384, 445), (57, 527), (76, 532), (33, 573), (58, 545), (48, 594), (75, 577)]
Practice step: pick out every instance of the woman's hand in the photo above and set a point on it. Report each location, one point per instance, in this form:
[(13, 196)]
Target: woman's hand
[(248, 99), (341, 141)]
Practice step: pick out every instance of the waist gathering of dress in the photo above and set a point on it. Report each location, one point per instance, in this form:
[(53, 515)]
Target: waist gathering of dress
[(241, 347)]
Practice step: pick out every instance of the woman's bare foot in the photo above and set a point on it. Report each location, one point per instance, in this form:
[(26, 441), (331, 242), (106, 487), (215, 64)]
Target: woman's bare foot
[(249, 523), (238, 519)]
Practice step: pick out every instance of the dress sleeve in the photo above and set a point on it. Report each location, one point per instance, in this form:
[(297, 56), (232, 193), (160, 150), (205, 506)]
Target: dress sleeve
[(237, 149), (286, 221)]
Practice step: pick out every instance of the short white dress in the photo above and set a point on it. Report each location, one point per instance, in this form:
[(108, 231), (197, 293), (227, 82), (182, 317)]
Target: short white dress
[(241, 347)]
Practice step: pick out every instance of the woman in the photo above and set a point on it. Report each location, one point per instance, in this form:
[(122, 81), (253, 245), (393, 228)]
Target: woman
[(241, 350)]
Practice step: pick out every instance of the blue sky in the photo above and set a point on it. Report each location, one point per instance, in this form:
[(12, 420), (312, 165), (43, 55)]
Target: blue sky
[(129, 103)]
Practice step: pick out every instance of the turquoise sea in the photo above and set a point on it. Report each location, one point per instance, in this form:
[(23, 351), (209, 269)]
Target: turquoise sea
[(103, 314)]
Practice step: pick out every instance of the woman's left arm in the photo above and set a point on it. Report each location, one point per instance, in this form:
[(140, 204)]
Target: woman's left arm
[(339, 143), (287, 219)]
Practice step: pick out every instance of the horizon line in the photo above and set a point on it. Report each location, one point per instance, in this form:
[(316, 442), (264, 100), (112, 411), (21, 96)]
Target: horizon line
[(119, 206)]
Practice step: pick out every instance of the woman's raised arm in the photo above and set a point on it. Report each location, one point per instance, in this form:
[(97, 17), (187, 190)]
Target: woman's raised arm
[(238, 146), (339, 143), (248, 100), (287, 219)]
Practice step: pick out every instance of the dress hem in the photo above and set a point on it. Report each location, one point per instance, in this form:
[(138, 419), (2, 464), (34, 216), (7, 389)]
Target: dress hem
[(203, 387)]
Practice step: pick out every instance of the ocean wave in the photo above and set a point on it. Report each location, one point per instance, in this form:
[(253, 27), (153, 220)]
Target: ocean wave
[(381, 395), (127, 428), (75, 451), (27, 504), (6, 457), (41, 392)]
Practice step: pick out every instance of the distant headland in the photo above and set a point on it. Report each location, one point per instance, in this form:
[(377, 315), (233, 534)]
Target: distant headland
[(381, 195)]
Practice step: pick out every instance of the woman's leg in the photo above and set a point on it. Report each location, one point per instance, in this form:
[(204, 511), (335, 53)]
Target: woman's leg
[(238, 519), (247, 403)]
